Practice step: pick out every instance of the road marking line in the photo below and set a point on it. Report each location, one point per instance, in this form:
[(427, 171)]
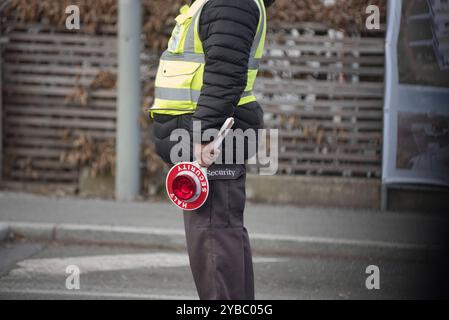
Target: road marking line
[(98, 294), (104, 263), (100, 263)]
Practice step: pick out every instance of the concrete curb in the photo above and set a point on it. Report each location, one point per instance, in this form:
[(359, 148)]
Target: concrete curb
[(175, 239)]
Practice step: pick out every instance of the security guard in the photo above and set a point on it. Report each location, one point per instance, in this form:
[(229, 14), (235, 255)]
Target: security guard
[(207, 74)]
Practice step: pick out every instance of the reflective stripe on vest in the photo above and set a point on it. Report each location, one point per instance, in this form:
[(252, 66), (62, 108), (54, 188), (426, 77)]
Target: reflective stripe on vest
[(179, 77), (184, 94)]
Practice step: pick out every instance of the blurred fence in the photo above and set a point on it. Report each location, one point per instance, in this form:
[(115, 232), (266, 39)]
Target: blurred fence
[(324, 91), (321, 88), (53, 95)]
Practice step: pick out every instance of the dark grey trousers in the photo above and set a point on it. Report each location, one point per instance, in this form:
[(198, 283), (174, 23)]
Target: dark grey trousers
[(217, 241)]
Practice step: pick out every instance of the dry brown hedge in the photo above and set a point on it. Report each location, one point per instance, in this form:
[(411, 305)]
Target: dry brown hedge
[(158, 14), (343, 14)]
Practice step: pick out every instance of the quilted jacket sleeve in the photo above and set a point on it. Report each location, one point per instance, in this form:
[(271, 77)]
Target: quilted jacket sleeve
[(227, 29)]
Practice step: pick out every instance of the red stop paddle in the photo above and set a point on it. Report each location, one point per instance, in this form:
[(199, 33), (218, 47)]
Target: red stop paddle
[(187, 185)]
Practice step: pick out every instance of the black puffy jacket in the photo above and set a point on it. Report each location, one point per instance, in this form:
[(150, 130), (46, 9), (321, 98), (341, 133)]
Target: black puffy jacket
[(227, 29)]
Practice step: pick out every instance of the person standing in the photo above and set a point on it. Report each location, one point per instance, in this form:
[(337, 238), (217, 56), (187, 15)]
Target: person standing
[(207, 74)]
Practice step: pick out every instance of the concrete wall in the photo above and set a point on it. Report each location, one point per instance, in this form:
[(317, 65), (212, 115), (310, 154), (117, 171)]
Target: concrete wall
[(418, 198), (346, 193), (315, 191)]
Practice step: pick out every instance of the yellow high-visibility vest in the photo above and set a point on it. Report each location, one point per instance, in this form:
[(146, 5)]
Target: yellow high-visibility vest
[(179, 77)]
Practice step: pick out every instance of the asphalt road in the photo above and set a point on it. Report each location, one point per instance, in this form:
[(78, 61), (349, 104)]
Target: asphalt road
[(38, 271)]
